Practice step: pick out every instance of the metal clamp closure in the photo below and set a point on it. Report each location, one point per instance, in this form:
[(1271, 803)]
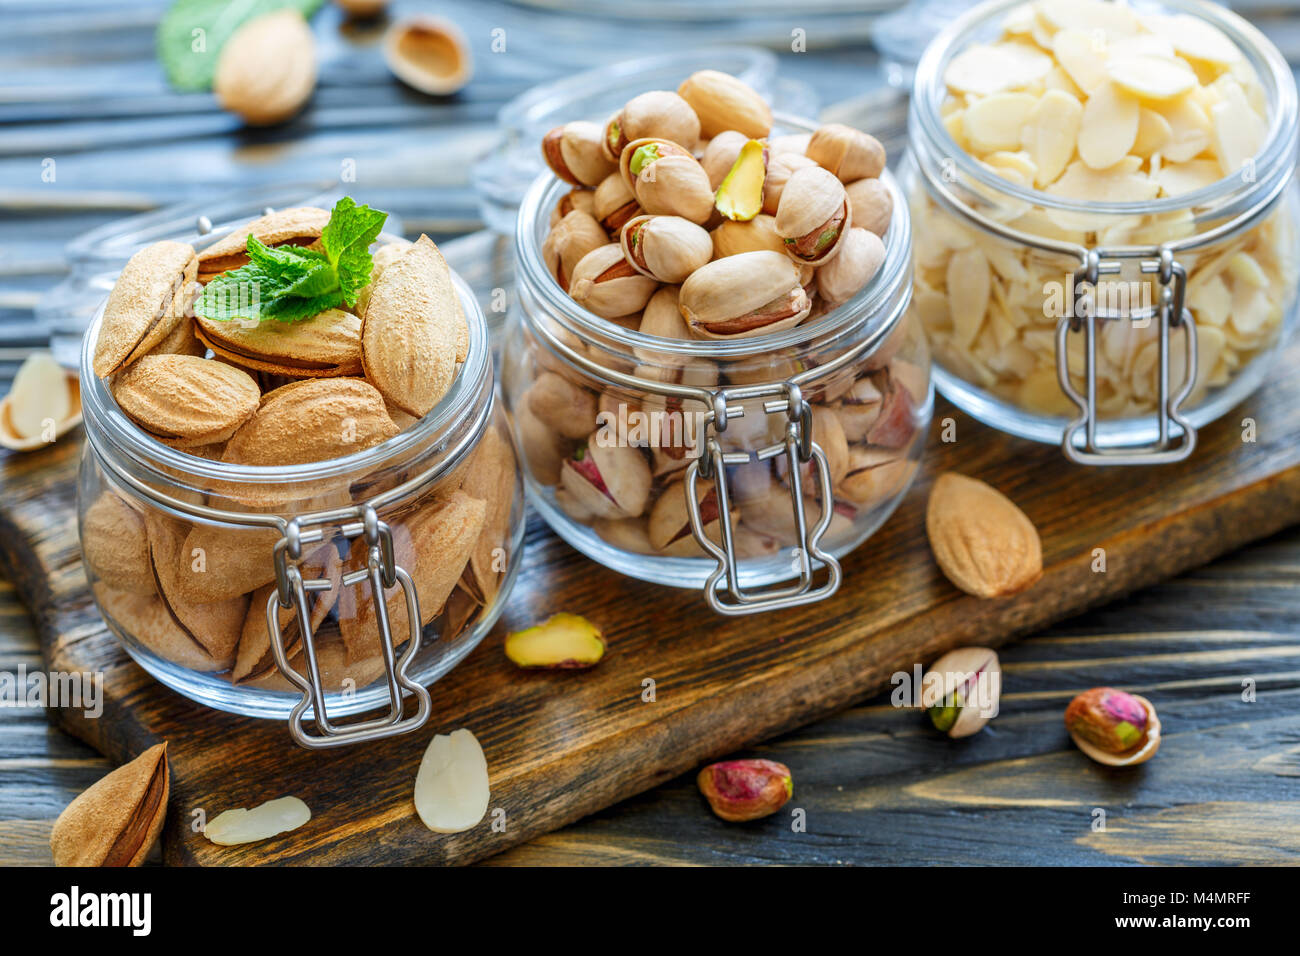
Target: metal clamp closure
[(799, 449), (383, 572), (1169, 313)]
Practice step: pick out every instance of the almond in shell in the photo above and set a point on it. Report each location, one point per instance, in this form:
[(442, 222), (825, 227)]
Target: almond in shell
[(299, 226), (255, 657), (185, 397), (266, 70), (491, 477), (410, 334), (117, 821), (327, 344), (147, 302), (147, 618), (983, 543), (115, 545)]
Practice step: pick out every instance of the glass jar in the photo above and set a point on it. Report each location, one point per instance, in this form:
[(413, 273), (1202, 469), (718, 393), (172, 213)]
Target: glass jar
[(1113, 328), (693, 439), (204, 569)]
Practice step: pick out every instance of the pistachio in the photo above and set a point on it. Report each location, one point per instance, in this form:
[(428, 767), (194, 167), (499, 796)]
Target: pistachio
[(452, 785), (670, 528), (732, 237), (578, 198), (1113, 727), (658, 114), (780, 167), (430, 54), (741, 790), (872, 205), (147, 302), (266, 70), (559, 404), (577, 234), (608, 481), (790, 143), (875, 474), (614, 204), (980, 539), (575, 154), (185, 397), (961, 690), (723, 103), (829, 435), (118, 820), (859, 407), (720, 155), (847, 152), (543, 448), (813, 215), (605, 283), (772, 515), (665, 248), (563, 642), (667, 180), (740, 195), (626, 534), (895, 424), (744, 295), (860, 257), (298, 226)]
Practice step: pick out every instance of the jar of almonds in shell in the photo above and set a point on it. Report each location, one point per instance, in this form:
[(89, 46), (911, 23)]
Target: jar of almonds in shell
[(1105, 219), (283, 422), (712, 373)]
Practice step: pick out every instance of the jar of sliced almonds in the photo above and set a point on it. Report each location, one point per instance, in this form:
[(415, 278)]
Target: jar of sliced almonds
[(280, 425), (711, 370), (1105, 219)]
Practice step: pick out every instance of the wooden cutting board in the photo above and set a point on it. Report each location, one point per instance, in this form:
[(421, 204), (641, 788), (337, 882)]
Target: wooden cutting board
[(560, 746)]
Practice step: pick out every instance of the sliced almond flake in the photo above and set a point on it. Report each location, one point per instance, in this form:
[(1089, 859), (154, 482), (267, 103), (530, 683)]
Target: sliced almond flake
[(1005, 261), (1210, 302), (1049, 134), (1252, 311), (1142, 43), (1019, 20), (1058, 79), (932, 309), (985, 69), (994, 122), (1189, 129), (1019, 161), (1178, 178), (1153, 132), (1108, 128), (969, 281), (1151, 77), (272, 818), (1243, 268), (1238, 130), (1192, 36), (955, 124), (1042, 33), (1041, 392), (451, 787), (1114, 19), (1082, 54), (1165, 227)]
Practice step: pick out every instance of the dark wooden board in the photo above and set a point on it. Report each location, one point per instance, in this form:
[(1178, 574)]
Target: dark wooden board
[(562, 746)]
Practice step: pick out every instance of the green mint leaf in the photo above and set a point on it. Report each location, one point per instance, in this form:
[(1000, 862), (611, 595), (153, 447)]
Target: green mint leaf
[(238, 294), (192, 32), (347, 238)]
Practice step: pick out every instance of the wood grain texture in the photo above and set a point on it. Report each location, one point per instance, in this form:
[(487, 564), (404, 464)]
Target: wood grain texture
[(563, 746)]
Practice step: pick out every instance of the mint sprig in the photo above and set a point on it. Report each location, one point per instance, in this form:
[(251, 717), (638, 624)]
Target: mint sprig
[(290, 283)]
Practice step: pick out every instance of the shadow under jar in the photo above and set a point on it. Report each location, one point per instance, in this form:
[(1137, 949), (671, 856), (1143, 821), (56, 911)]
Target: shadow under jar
[(186, 558), (626, 455), (1112, 310)]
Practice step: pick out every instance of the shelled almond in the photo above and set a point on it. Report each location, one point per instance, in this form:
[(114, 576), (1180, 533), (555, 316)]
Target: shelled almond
[(321, 379)]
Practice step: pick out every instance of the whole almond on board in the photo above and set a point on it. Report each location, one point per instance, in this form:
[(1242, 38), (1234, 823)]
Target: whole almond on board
[(327, 344), (267, 69), (117, 821), (183, 396), (312, 420), (298, 226), (115, 545), (409, 333), (434, 546), (982, 541), (215, 625), (147, 301)]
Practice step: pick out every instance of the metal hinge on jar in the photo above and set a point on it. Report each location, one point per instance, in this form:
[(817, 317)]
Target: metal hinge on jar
[(1169, 313), (782, 398), (382, 572)]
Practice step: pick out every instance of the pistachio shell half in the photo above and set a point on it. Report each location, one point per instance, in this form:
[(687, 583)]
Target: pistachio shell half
[(670, 528), (872, 204), (614, 203), (575, 153), (813, 215), (860, 257), (732, 237), (430, 54), (609, 481), (577, 234)]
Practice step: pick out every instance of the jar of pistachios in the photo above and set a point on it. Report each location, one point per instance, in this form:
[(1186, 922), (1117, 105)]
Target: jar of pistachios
[(711, 369), (1104, 219)]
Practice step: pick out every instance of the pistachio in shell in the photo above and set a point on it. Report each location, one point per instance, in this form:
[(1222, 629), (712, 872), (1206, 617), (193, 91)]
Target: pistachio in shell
[(608, 481), (544, 449), (860, 257), (614, 203), (298, 226), (561, 405), (578, 198), (147, 303), (732, 237), (813, 216), (118, 820), (748, 294), (859, 408), (847, 152), (872, 205), (667, 180), (665, 248), (429, 54), (325, 344), (780, 167), (723, 102), (575, 153), (670, 530), (605, 283), (186, 397), (577, 234), (874, 475), (658, 114), (960, 691), (413, 330)]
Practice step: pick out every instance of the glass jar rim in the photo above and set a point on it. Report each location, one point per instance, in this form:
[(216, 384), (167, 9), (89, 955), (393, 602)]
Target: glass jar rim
[(1276, 156), (863, 308), (103, 412)]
